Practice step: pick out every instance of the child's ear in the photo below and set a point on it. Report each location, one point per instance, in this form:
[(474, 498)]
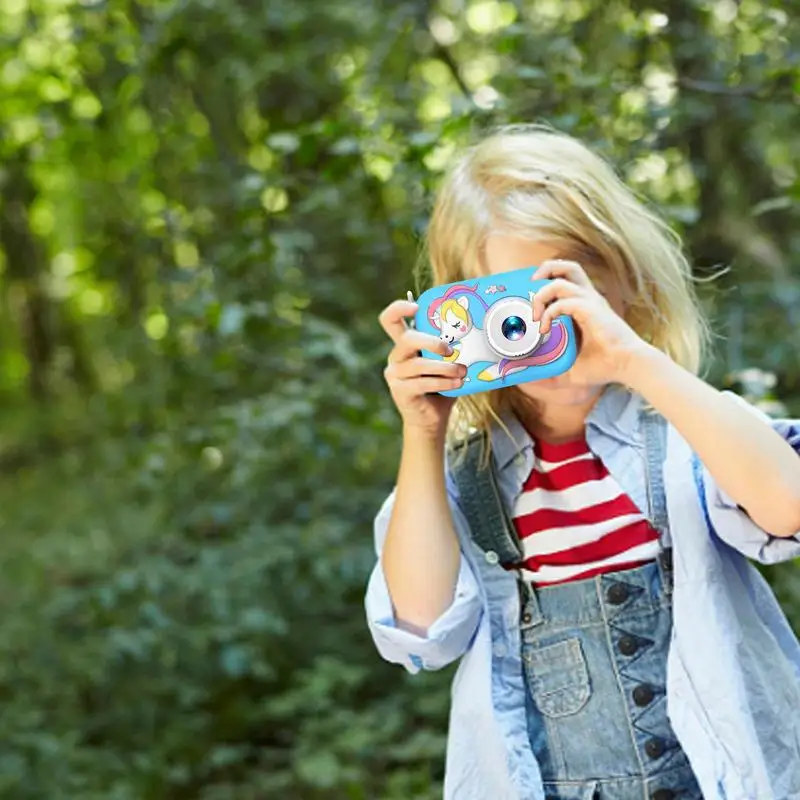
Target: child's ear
[(463, 301)]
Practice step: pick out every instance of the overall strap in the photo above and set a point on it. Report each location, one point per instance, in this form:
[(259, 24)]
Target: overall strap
[(492, 529), (655, 439), (480, 499)]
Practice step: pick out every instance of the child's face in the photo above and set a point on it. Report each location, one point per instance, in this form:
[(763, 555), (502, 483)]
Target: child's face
[(504, 253)]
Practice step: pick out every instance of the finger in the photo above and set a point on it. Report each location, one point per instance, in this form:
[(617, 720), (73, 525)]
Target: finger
[(418, 367), (417, 387), (558, 289), (563, 268), (575, 307), (411, 342), (392, 318)]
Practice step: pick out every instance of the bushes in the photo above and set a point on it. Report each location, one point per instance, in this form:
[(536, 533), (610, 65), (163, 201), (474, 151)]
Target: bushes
[(222, 652)]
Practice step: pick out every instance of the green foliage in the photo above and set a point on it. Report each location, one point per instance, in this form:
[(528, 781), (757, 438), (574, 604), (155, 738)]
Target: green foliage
[(203, 207), (210, 643)]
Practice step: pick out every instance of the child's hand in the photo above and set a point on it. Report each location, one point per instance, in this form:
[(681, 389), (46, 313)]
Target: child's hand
[(413, 379), (609, 345)]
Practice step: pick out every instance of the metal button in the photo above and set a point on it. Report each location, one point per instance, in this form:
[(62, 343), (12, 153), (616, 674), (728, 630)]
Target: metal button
[(526, 618), (627, 645), (654, 748), (643, 695), (617, 594), (663, 794), (492, 557)]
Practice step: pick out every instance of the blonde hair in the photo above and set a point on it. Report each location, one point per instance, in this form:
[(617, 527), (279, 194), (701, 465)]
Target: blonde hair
[(538, 183)]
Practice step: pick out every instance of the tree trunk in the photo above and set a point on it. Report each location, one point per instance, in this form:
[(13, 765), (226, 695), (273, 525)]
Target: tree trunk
[(25, 267)]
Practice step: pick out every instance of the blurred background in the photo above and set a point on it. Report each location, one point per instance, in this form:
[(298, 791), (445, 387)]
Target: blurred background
[(203, 207)]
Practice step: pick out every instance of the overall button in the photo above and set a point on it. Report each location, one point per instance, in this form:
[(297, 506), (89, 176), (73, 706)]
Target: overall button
[(627, 645), (654, 748), (617, 594), (491, 557), (643, 695), (526, 618), (663, 794)]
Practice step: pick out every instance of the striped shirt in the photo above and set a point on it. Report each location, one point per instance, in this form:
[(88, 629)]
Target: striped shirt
[(574, 521)]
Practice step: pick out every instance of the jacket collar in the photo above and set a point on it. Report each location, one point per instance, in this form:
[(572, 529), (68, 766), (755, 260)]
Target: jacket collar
[(616, 415)]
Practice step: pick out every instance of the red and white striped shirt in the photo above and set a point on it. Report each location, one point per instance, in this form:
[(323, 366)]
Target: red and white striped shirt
[(574, 521)]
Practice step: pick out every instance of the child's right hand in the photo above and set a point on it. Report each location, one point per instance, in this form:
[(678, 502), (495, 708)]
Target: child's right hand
[(414, 379)]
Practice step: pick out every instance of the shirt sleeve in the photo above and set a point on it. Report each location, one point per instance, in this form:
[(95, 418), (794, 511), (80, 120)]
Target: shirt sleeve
[(732, 524), (450, 635)]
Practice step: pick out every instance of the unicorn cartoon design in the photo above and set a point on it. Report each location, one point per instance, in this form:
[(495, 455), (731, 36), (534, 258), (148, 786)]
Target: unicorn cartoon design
[(451, 316), (458, 329)]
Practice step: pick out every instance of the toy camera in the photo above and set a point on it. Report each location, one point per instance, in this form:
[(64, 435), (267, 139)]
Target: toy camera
[(489, 324)]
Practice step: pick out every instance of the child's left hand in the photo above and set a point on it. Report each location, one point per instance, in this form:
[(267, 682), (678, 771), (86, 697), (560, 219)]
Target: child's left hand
[(609, 346)]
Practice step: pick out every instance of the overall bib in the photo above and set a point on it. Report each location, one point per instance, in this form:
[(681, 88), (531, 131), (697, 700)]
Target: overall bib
[(594, 654)]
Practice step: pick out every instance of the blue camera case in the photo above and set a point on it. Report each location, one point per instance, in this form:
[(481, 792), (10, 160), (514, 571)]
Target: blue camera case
[(489, 323)]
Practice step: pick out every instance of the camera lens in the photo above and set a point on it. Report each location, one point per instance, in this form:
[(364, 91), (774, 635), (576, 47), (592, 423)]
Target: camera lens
[(513, 328), (510, 329)]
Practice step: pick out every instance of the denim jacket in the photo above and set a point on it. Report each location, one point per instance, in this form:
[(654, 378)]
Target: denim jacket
[(733, 669)]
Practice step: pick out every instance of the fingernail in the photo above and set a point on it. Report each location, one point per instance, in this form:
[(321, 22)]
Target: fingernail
[(448, 350)]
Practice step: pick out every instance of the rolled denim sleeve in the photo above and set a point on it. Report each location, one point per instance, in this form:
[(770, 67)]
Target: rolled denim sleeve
[(448, 637), (731, 522)]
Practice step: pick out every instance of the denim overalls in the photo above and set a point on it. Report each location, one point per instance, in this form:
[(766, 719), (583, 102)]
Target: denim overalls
[(594, 653)]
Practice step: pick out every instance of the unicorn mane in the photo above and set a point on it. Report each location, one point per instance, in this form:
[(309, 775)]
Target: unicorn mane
[(456, 289)]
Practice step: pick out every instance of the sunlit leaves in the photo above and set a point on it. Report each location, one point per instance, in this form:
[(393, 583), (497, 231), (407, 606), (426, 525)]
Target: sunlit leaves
[(274, 199), (490, 16), (186, 254)]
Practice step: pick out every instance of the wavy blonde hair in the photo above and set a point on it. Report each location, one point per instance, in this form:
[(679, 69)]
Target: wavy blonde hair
[(535, 182)]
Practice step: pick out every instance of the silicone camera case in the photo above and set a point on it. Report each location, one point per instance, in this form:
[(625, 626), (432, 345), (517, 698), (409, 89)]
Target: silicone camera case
[(489, 324)]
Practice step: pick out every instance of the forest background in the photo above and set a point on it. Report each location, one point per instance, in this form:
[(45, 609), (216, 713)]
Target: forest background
[(203, 207)]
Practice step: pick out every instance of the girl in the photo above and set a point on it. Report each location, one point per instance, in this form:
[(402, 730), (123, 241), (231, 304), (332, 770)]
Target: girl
[(580, 543)]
